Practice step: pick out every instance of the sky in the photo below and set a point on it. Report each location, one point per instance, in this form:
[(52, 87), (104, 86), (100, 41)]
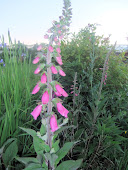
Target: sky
[(29, 20)]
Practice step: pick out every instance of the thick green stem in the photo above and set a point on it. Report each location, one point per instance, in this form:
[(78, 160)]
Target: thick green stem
[(49, 110)]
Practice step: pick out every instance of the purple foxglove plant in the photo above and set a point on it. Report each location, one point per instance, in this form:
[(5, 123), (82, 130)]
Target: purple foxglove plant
[(57, 30), (44, 143)]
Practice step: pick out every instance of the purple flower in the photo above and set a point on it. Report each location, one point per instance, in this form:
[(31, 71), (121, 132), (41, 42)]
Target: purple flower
[(4, 65), (4, 45), (23, 54), (1, 61)]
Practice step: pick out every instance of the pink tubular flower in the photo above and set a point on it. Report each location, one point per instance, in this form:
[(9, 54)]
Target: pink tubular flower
[(62, 110), (49, 31), (36, 60), (36, 89), (53, 123), (60, 90), (59, 60), (43, 78), (37, 70), (59, 32), (54, 70), (46, 36), (57, 93), (58, 25), (45, 97), (36, 112), (55, 39), (50, 48), (39, 47), (62, 73), (58, 50), (64, 93), (58, 43), (61, 37)]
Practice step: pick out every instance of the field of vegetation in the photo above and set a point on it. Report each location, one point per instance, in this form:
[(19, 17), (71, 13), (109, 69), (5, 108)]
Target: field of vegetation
[(97, 83)]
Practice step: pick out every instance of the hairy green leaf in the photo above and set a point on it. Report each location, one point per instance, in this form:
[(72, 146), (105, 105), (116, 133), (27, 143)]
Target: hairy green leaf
[(10, 153), (70, 165)]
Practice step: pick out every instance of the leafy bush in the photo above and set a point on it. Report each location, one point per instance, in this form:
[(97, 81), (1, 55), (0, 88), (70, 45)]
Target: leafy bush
[(98, 124)]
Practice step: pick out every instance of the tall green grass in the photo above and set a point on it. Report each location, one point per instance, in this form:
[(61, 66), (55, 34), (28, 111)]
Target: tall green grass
[(16, 83)]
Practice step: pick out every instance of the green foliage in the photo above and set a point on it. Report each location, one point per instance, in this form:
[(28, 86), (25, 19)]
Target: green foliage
[(55, 146), (16, 85), (15, 93), (51, 158), (98, 124), (42, 129), (72, 165), (29, 131), (53, 155), (63, 151), (27, 160), (34, 166), (40, 146), (8, 152)]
